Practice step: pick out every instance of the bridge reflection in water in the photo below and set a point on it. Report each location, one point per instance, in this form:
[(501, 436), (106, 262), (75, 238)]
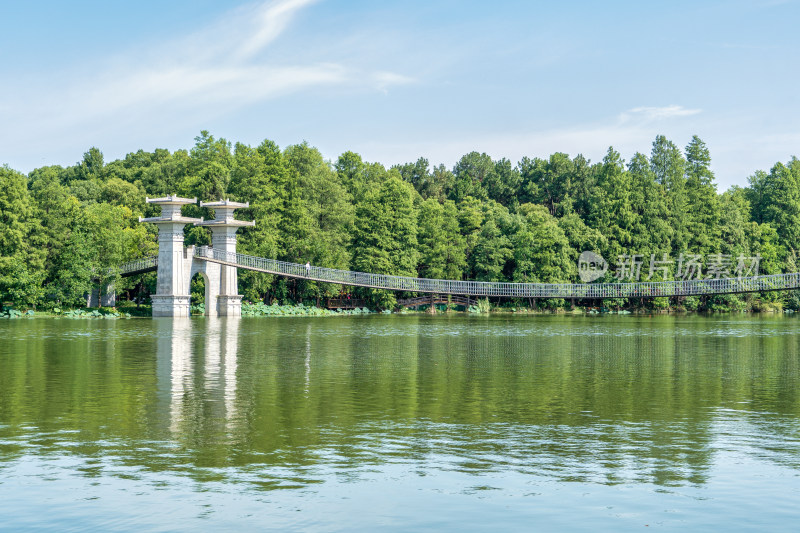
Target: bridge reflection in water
[(649, 399), (190, 348), (224, 414)]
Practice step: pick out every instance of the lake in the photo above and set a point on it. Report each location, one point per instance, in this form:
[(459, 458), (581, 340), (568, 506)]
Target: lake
[(398, 423)]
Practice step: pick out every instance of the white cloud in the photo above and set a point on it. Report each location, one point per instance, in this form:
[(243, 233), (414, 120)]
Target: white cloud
[(216, 65), (592, 141), (214, 84), (735, 153), (657, 113), (168, 85), (272, 19), (384, 79), (632, 131)]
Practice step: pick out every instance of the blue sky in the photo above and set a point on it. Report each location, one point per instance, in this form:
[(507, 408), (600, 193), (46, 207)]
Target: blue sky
[(397, 80)]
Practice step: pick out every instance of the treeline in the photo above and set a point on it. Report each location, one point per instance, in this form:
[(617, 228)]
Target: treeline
[(484, 219)]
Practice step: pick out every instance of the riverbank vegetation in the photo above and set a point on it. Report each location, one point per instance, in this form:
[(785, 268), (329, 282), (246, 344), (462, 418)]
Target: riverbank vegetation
[(484, 219)]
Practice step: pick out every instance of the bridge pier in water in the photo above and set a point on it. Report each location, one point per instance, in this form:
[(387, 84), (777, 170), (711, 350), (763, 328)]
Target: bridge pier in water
[(223, 239), (177, 263), (172, 290)]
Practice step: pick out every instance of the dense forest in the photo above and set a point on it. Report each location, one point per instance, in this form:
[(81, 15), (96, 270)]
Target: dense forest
[(484, 219)]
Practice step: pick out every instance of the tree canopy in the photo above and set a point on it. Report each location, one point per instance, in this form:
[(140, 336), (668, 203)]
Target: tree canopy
[(483, 219)]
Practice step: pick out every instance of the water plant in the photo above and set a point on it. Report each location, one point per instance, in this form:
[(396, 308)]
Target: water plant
[(262, 309), (94, 313)]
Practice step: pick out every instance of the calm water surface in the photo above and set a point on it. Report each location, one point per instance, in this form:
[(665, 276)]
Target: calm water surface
[(401, 423)]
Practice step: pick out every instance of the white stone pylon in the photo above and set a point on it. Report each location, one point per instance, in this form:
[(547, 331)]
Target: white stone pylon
[(223, 239), (172, 294)]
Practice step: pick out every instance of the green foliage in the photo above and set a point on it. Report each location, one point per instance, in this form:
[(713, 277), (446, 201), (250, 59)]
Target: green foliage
[(492, 252), (541, 249), (470, 173), (11, 313), (484, 306), (793, 300), (442, 251), (611, 210), (90, 313), (259, 176), (21, 259), (702, 199), (725, 303), (261, 309), (691, 303), (63, 229), (320, 217), (385, 240)]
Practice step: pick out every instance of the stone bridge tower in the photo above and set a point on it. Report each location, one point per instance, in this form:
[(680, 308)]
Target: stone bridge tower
[(223, 244), (177, 263)]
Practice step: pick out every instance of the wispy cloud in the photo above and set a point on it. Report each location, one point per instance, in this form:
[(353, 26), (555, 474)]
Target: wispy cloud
[(657, 113), (272, 20), (226, 66), (628, 132), (219, 66), (383, 80), (733, 158)]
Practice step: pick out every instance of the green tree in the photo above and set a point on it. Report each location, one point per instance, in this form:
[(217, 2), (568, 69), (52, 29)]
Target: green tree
[(540, 247), (549, 183), (66, 272), (441, 245), (651, 231), (319, 216), (581, 237), (612, 212), (669, 168), (779, 204), (386, 234), (417, 174), (113, 235), (21, 263), (734, 218), (502, 183), (350, 169), (117, 191), (259, 176), (702, 199), (493, 251), (164, 176), (470, 172)]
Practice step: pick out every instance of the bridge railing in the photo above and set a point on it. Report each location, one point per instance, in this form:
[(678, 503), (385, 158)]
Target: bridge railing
[(139, 265), (505, 289)]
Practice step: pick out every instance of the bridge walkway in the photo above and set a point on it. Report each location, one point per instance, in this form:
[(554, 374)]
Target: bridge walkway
[(475, 289)]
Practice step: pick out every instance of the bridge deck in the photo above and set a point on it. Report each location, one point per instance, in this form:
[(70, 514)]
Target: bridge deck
[(474, 289), (139, 266)]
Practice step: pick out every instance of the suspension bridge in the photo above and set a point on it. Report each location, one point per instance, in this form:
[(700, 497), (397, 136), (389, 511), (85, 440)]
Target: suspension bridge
[(480, 289), (220, 262)]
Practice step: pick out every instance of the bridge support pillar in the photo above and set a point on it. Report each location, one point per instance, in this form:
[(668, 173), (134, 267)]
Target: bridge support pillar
[(223, 243), (107, 297), (93, 297), (172, 293), (229, 305)]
